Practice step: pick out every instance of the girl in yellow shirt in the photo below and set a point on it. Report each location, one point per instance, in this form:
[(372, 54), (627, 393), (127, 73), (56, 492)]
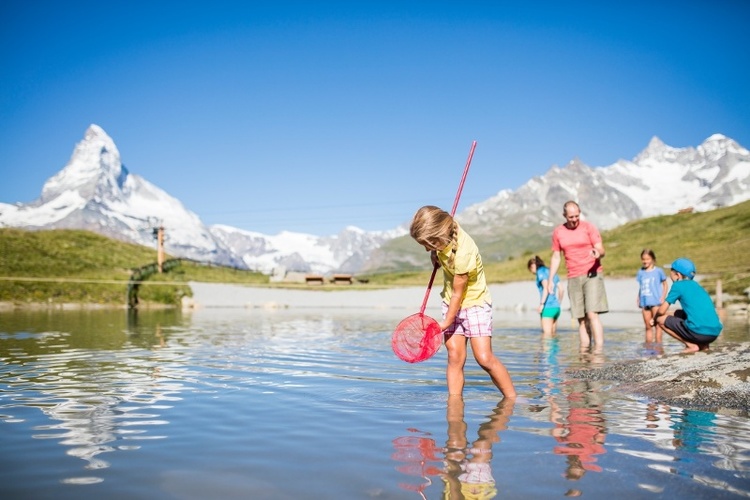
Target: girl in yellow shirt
[(467, 304)]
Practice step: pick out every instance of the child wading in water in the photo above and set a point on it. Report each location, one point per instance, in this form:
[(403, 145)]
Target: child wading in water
[(549, 303), (696, 325), (467, 304), (652, 289)]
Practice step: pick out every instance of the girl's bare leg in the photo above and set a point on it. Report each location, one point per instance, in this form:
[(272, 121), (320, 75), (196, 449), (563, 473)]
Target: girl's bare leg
[(454, 372), (548, 327), (482, 348), (647, 317)]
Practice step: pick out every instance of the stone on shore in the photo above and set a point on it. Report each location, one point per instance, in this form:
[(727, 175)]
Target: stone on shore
[(715, 380)]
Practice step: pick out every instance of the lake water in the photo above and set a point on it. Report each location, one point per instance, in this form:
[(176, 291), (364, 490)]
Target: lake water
[(313, 404)]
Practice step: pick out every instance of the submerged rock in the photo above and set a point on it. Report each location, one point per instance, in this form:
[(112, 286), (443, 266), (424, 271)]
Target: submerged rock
[(714, 380)]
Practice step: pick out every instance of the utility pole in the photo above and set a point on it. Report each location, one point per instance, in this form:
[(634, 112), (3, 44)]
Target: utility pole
[(159, 235)]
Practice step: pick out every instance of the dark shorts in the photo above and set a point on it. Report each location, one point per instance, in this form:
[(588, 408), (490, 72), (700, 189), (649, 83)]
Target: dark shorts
[(676, 323)]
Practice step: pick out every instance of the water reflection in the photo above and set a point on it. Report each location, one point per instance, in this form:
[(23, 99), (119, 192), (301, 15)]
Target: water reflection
[(99, 397), (467, 466), (127, 403), (582, 431)]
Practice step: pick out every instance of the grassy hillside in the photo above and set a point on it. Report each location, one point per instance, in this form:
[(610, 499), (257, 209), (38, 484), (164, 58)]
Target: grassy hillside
[(95, 269), (717, 241), (63, 266)]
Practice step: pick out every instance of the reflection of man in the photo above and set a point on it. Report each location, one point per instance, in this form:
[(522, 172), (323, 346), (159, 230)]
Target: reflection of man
[(582, 246), (582, 433), (468, 470)]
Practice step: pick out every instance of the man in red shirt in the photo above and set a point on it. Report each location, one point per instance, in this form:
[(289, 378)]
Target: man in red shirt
[(582, 246)]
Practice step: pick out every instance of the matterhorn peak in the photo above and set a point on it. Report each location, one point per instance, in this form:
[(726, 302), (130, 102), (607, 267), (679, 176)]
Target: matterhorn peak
[(95, 162)]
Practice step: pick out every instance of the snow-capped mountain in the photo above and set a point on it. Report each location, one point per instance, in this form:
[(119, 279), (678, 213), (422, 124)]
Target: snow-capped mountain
[(94, 191), (660, 180), (343, 252)]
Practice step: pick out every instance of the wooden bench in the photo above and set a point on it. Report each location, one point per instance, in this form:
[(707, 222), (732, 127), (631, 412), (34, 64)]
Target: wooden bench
[(341, 278), (314, 279)]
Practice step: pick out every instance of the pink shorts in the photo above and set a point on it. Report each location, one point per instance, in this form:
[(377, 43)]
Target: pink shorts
[(475, 321)]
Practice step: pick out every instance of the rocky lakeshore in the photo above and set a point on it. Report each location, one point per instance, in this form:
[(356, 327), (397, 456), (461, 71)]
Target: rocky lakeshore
[(714, 380)]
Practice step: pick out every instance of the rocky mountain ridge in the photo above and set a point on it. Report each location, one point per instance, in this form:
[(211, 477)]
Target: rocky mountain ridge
[(95, 191)]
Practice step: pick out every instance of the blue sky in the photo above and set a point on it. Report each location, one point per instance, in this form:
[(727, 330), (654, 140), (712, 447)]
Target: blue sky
[(311, 116)]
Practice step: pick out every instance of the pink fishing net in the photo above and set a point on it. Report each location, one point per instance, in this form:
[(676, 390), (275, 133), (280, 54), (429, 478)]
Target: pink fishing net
[(416, 338)]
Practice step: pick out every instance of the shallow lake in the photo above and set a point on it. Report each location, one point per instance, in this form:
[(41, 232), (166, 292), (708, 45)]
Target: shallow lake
[(292, 404)]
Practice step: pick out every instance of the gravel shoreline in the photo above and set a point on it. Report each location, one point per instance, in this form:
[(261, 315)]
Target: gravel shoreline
[(715, 380)]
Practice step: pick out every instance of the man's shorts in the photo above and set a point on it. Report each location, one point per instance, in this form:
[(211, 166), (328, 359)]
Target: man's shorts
[(676, 324), (551, 312), (475, 321), (587, 295)]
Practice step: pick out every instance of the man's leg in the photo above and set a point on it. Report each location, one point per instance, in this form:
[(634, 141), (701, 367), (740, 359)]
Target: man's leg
[(597, 331)]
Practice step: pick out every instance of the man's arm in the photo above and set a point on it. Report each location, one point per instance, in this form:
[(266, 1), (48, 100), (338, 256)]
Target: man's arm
[(598, 250)]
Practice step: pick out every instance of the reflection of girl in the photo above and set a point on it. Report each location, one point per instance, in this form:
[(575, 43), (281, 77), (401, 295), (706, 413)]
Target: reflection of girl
[(468, 469), (549, 303)]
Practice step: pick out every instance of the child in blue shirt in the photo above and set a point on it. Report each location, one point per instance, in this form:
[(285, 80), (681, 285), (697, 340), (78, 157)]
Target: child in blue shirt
[(696, 325), (549, 303), (652, 289)]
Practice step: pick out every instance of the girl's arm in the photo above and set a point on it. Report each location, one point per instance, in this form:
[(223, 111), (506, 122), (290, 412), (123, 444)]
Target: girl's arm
[(663, 291), (460, 282), (545, 294), (554, 265), (434, 259)]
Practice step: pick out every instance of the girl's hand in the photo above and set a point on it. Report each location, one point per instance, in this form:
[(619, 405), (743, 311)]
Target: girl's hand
[(434, 259)]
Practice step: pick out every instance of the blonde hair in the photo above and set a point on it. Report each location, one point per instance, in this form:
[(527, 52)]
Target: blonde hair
[(435, 229)]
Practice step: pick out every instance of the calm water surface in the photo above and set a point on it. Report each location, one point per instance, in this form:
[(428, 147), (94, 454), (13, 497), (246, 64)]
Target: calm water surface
[(310, 404)]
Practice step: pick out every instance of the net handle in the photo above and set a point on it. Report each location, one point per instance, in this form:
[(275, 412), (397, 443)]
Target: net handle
[(453, 212)]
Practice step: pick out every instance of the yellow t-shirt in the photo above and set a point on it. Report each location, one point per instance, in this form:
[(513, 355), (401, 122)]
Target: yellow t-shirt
[(467, 261)]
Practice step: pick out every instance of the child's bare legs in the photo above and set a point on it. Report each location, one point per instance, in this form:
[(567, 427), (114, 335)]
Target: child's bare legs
[(482, 347), (689, 346), (548, 327), (648, 317), (454, 372)]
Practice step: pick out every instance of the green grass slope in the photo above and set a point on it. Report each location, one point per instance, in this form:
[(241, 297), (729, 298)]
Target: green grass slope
[(717, 241), (69, 266), (64, 266)]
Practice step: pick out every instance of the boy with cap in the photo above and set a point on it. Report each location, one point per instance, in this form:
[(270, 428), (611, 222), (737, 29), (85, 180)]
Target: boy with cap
[(696, 325)]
